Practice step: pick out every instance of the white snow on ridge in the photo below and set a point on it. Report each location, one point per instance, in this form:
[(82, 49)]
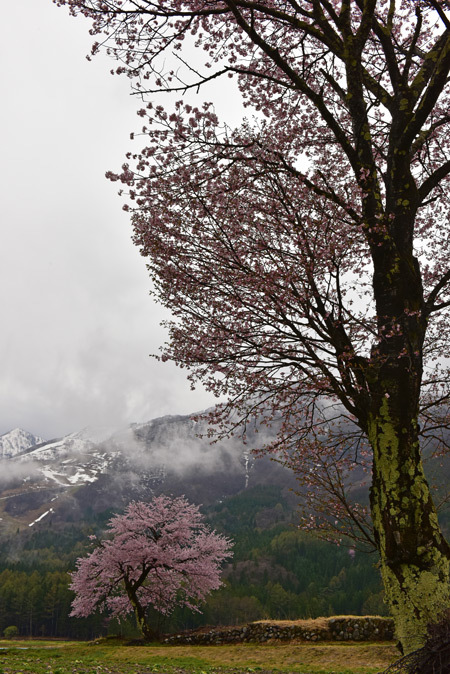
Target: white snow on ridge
[(16, 442), (71, 444)]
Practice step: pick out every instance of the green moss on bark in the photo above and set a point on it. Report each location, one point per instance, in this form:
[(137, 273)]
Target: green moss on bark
[(415, 564), (420, 597)]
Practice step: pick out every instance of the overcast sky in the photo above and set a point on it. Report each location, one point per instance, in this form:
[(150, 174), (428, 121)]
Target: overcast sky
[(77, 323)]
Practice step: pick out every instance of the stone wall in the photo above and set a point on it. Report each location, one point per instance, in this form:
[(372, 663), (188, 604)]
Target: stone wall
[(340, 628)]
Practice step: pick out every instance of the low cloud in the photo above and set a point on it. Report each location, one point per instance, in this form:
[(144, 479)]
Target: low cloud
[(12, 471), (173, 443)]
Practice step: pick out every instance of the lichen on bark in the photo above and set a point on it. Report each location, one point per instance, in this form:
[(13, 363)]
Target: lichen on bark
[(414, 559), (416, 597)]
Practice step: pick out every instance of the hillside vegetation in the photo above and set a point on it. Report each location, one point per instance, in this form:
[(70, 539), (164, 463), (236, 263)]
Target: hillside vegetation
[(277, 572)]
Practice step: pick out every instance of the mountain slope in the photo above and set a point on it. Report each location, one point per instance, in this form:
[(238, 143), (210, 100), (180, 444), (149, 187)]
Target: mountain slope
[(93, 471), (16, 442)]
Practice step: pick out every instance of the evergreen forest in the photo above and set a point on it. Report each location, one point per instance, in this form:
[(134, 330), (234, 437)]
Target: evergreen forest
[(277, 572)]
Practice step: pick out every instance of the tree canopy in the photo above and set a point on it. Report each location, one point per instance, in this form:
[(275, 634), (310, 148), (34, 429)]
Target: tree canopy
[(305, 254), (160, 554)]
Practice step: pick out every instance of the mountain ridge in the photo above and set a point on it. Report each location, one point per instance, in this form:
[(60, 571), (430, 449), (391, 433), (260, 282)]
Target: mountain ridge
[(17, 441), (96, 470)]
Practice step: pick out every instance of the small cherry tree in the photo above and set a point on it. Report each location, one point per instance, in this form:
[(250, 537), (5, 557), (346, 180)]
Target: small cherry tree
[(160, 554)]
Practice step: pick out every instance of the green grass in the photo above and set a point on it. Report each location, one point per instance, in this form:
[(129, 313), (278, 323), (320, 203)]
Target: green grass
[(116, 657)]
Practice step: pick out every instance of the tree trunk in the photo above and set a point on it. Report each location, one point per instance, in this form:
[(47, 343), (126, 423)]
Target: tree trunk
[(140, 614), (147, 632), (414, 556)]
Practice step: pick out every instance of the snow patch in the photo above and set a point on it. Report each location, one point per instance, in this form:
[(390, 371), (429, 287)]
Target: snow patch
[(51, 475), (80, 477), (41, 517)]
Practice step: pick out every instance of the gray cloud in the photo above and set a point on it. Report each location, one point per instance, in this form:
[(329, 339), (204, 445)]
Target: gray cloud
[(175, 445), (77, 322), (11, 472)]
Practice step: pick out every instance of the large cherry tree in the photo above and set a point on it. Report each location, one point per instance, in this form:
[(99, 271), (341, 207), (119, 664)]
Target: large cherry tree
[(305, 255), (159, 554)]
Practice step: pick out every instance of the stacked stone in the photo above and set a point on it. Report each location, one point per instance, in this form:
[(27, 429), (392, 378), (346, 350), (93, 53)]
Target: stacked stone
[(365, 628)]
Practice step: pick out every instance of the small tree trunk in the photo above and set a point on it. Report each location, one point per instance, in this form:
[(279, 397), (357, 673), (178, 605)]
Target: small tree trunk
[(147, 632), (141, 621), (415, 558)]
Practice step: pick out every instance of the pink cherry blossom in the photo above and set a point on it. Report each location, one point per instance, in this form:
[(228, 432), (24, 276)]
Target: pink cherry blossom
[(158, 554)]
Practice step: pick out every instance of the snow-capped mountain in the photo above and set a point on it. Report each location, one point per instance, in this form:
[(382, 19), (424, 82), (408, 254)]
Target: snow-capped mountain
[(16, 442), (95, 470)]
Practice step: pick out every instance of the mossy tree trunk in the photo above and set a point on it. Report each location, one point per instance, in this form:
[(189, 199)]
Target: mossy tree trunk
[(139, 611), (414, 556)]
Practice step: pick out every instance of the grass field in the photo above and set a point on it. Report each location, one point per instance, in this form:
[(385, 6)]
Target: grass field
[(115, 657)]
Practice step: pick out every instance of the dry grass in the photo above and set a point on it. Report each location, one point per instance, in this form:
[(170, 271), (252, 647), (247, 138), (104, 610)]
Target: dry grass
[(115, 657), (316, 623), (326, 657), (311, 623)]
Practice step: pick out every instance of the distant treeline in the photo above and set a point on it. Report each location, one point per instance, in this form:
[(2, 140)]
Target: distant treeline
[(277, 572)]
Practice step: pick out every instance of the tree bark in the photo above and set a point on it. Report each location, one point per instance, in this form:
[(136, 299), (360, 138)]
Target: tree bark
[(414, 555), (140, 614), (147, 632)]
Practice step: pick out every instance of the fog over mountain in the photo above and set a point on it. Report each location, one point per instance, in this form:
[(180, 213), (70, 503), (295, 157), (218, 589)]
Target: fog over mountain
[(94, 470)]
